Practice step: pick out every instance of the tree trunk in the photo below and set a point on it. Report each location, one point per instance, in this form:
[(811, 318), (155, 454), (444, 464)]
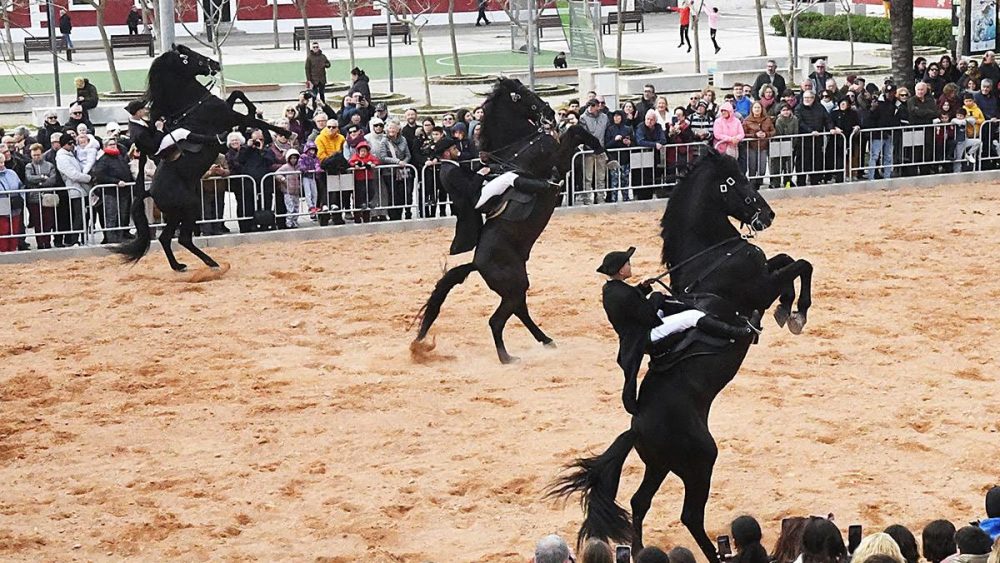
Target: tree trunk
[(423, 63), (303, 11), (451, 34), (695, 17), (901, 22), (9, 53), (620, 30), (115, 82), (150, 15), (760, 28), (850, 33), (274, 23), (347, 18), (787, 23)]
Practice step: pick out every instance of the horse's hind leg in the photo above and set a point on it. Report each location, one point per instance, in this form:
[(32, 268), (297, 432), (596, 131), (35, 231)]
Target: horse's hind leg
[(165, 239), (696, 472), (786, 297), (525, 317), (643, 499), (186, 239), (801, 269), (498, 321)]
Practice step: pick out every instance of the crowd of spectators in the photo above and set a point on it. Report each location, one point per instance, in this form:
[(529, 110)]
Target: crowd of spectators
[(832, 130), (813, 539)]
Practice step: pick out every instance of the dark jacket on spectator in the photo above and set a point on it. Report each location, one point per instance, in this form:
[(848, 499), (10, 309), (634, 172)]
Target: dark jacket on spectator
[(764, 78), (65, 24), (988, 104), (87, 97), (813, 118), (254, 162), (110, 170), (44, 134), (646, 137), (991, 71), (316, 65), (845, 120), (885, 113), (361, 85), (922, 112)]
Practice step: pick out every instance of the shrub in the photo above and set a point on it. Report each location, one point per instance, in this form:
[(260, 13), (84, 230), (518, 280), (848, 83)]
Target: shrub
[(926, 31)]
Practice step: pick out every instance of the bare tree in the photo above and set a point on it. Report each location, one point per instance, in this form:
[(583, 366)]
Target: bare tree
[(214, 40), (695, 18), (99, 7), (451, 33), (901, 20), (413, 14), (347, 10), (620, 30), (760, 27), (303, 7), (8, 41), (150, 16), (847, 5), (274, 24), (787, 21)]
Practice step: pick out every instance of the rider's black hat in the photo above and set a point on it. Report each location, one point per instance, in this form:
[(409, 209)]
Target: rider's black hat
[(443, 145), (134, 106), (613, 261)]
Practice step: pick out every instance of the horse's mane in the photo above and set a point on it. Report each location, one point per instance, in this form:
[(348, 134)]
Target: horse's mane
[(705, 172), (494, 119), (162, 83)]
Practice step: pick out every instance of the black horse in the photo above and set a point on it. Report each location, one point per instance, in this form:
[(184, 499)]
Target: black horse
[(176, 95), (514, 136), (706, 255)]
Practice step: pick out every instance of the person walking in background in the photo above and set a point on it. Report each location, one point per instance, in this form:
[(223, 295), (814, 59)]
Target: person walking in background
[(713, 28), (316, 65), (65, 28), (482, 5), (132, 21), (685, 11)]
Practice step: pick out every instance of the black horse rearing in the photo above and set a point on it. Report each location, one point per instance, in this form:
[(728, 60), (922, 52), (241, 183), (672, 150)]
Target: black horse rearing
[(176, 95), (670, 432), (514, 136)]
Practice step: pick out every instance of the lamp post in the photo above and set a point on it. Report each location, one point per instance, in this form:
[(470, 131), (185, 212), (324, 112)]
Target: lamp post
[(166, 25), (51, 11)]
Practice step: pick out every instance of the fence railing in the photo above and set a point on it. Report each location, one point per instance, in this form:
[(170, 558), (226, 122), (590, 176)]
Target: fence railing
[(63, 216)]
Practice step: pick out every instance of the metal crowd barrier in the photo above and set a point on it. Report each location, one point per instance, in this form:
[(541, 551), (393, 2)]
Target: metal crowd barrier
[(911, 150), (56, 221), (800, 159), (640, 172), (989, 151), (384, 192)]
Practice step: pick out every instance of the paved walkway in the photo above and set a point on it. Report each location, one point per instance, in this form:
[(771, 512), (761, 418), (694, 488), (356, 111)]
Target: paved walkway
[(252, 59)]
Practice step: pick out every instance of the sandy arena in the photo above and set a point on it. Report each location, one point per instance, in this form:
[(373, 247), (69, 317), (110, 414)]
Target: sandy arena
[(276, 414)]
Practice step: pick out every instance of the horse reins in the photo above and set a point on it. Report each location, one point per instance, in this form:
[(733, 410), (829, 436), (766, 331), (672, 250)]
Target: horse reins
[(711, 268), (509, 163)]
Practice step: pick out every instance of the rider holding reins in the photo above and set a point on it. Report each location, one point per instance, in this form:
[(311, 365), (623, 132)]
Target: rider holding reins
[(643, 317)]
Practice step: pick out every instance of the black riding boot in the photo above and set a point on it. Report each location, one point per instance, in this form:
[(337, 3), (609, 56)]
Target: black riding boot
[(532, 186), (714, 327)]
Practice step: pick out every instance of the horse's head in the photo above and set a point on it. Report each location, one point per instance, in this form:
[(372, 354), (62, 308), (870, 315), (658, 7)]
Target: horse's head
[(192, 63), (517, 100), (734, 193)]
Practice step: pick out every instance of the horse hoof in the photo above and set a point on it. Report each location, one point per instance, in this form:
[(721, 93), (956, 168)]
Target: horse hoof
[(796, 323), (180, 268), (781, 315), (509, 360), (550, 344)]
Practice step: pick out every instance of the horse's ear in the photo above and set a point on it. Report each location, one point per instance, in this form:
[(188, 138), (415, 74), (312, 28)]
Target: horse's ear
[(518, 82), (173, 46)]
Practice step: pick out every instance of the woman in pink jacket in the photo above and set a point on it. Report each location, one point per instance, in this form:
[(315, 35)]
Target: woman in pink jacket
[(728, 131)]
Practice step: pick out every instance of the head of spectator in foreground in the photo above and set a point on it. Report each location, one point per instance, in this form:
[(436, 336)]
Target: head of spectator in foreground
[(823, 543), (972, 540), (551, 549), (880, 543), (747, 535), (993, 503), (653, 554), (995, 554), (906, 542), (939, 541), (597, 551), (681, 554)]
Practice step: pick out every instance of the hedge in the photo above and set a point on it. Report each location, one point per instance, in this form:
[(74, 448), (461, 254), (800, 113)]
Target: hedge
[(926, 31)]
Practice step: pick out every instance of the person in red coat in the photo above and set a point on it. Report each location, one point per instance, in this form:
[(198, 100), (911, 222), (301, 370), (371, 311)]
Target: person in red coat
[(685, 11)]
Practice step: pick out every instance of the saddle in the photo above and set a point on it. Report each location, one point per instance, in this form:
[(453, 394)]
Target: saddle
[(676, 348), (513, 205)]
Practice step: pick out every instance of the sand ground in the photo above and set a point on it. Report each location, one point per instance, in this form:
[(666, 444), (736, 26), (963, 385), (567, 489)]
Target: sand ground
[(276, 414)]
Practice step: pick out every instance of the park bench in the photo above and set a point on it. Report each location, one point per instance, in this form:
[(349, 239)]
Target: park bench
[(627, 18), (42, 44), (379, 30), (543, 22), (144, 41), (316, 32)]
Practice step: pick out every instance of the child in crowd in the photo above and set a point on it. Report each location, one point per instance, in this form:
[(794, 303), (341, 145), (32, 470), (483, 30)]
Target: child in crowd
[(290, 182), (966, 145), (366, 188), (309, 166)]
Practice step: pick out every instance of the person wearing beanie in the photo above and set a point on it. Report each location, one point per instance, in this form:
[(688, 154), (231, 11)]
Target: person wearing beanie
[(992, 523), (289, 180), (460, 132), (642, 318)]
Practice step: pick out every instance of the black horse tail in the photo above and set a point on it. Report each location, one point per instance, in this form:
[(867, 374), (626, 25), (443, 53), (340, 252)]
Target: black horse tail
[(597, 478), (135, 249), (430, 311)]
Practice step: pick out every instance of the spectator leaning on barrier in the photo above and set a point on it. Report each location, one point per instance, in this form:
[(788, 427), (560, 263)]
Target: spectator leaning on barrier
[(78, 181), (727, 131), (330, 141), (309, 165), (758, 129), (814, 121), (11, 207), (40, 173), (650, 135), (395, 150), (213, 197), (885, 113), (111, 168), (595, 166)]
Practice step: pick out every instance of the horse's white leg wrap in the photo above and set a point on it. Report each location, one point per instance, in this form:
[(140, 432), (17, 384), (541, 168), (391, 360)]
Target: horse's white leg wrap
[(676, 323), (495, 187)]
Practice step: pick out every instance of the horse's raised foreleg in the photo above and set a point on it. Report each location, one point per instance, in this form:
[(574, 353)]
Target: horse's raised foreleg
[(801, 269), (786, 297), (643, 499), (165, 239), (186, 239), (239, 96), (525, 317)]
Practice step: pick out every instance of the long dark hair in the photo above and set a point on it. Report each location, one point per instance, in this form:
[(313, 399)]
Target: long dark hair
[(789, 544), (939, 540), (747, 535), (906, 542), (822, 542)]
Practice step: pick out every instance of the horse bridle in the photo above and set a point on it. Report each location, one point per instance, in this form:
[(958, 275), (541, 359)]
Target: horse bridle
[(522, 144)]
